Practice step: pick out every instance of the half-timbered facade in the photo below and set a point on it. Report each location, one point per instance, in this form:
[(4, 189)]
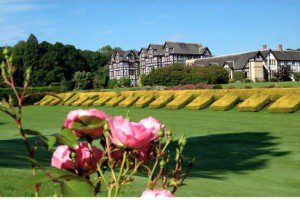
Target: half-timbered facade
[(169, 53), (124, 64)]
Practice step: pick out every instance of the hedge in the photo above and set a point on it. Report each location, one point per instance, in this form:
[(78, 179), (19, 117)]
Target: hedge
[(162, 101), (129, 101), (144, 101), (225, 103), (102, 101), (254, 103), (200, 102), (180, 74), (286, 104), (224, 98), (180, 101), (34, 94), (115, 101)]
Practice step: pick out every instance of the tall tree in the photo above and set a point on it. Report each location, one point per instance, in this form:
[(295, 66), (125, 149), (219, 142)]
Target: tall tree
[(18, 60), (31, 58)]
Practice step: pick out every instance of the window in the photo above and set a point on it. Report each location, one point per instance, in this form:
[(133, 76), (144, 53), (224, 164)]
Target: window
[(131, 72)]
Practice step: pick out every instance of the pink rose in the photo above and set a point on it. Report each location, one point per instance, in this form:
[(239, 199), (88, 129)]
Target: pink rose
[(128, 134), (153, 125), (84, 159), (86, 122), (159, 193), (61, 158)]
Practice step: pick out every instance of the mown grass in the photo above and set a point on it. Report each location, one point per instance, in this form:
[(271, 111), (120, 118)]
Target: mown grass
[(237, 154)]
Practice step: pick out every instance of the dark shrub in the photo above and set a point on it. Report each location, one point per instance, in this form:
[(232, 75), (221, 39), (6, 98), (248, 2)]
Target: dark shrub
[(238, 75), (248, 87), (247, 80), (180, 74), (124, 82), (283, 73), (112, 83), (217, 86), (273, 79), (67, 85)]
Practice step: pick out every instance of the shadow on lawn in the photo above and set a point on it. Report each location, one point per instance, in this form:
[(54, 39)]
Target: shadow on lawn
[(11, 149), (216, 155), (219, 154)]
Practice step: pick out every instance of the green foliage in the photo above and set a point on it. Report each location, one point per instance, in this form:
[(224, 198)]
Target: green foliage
[(124, 82), (112, 83), (296, 76), (67, 85), (101, 78), (34, 94), (68, 138), (238, 75), (83, 80), (141, 80), (180, 74), (76, 188), (55, 62)]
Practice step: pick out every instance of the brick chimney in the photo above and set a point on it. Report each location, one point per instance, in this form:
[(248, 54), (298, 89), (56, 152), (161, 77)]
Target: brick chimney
[(279, 47), (264, 46)]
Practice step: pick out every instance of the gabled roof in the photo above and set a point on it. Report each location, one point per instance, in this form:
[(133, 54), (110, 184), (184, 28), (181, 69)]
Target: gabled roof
[(158, 47), (287, 55), (235, 61), (185, 48), (123, 54)]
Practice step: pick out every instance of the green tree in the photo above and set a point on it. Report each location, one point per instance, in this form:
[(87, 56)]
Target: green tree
[(31, 58), (83, 80), (18, 52), (101, 78)]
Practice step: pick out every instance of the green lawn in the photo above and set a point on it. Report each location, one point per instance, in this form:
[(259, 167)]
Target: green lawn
[(237, 154), (262, 84)]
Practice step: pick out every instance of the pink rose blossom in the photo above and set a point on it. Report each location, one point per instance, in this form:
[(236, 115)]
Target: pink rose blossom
[(146, 153), (156, 193), (153, 125), (61, 158), (75, 115), (84, 159), (128, 134)]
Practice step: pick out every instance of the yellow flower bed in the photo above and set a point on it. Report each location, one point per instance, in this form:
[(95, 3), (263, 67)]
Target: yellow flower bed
[(66, 97), (254, 103), (115, 101), (225, 103), (144, 101), (180, 101), (286, 104), (162, 100), (102, 101), (45, 101), (72, 99), (89, 102), (200, 102), (129, 101)]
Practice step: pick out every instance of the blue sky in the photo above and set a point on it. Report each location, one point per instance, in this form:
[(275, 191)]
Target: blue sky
[(224, 26)]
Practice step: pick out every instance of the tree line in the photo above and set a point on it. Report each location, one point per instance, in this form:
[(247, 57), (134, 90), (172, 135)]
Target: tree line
[(58, 63)]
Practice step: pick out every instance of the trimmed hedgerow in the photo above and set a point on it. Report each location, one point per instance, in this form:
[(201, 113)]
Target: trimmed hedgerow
[(180, 101), (102, 101), (225, 103), (180, 74), (200, 102), (115, 101), (144, 100), (286, 104), (254, 103), (129, 101), (162, 100)]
